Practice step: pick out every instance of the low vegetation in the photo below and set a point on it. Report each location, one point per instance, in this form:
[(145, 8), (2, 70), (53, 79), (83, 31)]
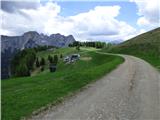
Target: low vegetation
[(145, 46), (21, 96)]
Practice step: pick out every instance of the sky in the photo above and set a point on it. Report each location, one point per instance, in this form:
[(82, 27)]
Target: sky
[(86, 20)]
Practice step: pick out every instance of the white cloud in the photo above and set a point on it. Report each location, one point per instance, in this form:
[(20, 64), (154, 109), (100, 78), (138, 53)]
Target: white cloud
[(29, 19), (142, 21), (99, 23), (148, 10)]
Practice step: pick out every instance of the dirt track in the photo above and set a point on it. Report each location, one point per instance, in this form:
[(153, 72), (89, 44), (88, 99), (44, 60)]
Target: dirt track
[(131, 92)]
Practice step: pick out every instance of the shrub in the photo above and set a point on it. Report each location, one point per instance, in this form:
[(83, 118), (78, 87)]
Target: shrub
[(61, 56), (42, 68)]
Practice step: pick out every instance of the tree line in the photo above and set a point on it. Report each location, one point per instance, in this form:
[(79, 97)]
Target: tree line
[(23, 62), (88, 44)]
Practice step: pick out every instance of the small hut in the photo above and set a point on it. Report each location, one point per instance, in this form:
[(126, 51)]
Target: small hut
[(52, 68)]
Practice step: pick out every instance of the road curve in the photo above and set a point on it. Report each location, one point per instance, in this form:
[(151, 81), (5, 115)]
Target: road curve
[(130, 92)]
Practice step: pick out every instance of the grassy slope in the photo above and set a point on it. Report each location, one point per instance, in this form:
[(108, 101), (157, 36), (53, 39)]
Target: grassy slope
[(44, 54), (22, 96), (145, 46)]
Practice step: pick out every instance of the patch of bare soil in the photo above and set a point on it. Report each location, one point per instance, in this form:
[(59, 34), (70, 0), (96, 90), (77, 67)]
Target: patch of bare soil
[(86, 58)]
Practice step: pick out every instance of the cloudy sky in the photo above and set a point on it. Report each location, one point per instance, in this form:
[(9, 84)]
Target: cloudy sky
[(108, 20)]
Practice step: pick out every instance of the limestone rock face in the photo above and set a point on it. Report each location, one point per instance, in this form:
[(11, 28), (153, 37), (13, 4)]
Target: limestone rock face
[(32, 39)]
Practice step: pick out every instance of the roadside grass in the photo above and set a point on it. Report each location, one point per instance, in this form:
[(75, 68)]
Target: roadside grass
[(22, 96), (148, 52), (145, 46)]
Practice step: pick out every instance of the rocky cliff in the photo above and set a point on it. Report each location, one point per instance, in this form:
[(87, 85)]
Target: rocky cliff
[(32, 39)]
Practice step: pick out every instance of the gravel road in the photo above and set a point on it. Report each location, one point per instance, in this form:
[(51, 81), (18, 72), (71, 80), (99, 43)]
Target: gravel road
[(130, 92)]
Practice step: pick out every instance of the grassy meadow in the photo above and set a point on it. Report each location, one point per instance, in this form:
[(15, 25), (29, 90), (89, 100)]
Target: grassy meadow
[(21, 96)]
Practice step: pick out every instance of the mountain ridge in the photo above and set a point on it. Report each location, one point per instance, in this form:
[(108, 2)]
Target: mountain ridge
[(56, 40)]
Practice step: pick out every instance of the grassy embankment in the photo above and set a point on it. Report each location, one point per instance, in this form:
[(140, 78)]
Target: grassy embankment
[(22, 96), (145, 46)]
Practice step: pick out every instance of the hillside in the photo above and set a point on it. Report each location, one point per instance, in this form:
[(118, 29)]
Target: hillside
[(23, 95), (10, 45), (145, 46)]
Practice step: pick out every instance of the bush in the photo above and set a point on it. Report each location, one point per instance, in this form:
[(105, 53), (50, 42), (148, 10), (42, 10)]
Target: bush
[(42, 68), (61, 56), (78, 48)]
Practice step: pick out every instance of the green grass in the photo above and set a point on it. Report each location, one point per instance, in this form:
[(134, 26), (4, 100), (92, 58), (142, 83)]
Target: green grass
[(146, 52), (44, 54), (64, 51), (22, 96), (145, 46)]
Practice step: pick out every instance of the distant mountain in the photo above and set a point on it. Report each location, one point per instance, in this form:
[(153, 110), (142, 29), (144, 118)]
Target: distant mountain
[(145, 46), (32, 39), (11, 44)]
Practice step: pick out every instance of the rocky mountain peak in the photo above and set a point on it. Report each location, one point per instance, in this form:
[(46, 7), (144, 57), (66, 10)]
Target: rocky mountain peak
[(31, 33)]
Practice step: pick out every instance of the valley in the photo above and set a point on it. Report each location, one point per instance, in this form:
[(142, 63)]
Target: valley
[(80, 59), (34, 96)]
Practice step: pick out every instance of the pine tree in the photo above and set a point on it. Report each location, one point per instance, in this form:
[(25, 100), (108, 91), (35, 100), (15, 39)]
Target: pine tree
[(61, 56), (22, 70), (42, 62), (55, 59), (50, 59), (78, 47), (37, 62)]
